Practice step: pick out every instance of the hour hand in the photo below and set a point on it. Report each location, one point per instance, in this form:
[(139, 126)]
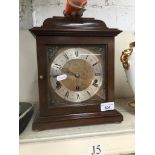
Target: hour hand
[(66, 70), (77, 88)]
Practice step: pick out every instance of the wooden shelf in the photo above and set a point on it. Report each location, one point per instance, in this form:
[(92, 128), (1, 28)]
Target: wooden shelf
[(113, 138)]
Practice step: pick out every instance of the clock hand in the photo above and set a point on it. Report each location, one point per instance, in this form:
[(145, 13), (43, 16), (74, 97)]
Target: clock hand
[(66, 70), (77, 88), (77, 84)]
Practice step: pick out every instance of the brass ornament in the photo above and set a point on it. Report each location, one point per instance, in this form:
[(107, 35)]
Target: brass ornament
[(132, 103), (124, 58)]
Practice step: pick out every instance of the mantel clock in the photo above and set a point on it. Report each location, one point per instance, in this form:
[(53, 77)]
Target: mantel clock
[(75, 72)]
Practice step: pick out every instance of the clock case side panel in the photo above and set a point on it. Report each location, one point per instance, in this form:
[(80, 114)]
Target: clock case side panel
[(45, 109), (42, 76), (110, 71)]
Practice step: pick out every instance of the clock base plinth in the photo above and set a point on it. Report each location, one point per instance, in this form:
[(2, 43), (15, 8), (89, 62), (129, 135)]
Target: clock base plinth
[(61, 121)]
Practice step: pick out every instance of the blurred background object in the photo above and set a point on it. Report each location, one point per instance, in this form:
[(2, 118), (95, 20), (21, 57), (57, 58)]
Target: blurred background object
[(25, 114), (75, 8), (128, 62)]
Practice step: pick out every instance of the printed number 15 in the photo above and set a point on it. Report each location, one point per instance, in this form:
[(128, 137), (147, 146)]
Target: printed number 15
[(96, 150)]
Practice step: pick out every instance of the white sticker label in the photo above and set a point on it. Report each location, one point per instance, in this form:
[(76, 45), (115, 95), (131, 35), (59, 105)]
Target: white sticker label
[(61, 77), (107, 106)]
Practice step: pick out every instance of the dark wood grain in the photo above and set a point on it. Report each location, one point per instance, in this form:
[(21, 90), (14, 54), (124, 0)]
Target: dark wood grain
[(69, 26), (73, 31), (42, 123)]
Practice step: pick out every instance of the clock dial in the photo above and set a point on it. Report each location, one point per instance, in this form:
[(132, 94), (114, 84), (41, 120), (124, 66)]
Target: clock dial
[(76, 74)]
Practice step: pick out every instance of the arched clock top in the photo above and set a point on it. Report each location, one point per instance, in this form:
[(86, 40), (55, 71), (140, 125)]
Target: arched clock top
[(73, 23), (74, 26)]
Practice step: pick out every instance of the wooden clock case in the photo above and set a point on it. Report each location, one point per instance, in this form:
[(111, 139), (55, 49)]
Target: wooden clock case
[(73, 31)]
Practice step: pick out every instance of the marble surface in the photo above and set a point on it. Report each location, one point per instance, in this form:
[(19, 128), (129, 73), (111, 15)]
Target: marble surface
[(126, 126)]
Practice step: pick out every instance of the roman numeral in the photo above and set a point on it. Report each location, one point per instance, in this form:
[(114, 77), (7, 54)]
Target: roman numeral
[(58, 66), (95, 64), (78, 96), (58, 85), (76, 53), (97, 74), (87, 57), (67, 94), (66, 56), (88, 93), (95, 83)]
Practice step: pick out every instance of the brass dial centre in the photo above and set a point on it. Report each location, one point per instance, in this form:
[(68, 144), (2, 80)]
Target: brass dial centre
[(79, 73)]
